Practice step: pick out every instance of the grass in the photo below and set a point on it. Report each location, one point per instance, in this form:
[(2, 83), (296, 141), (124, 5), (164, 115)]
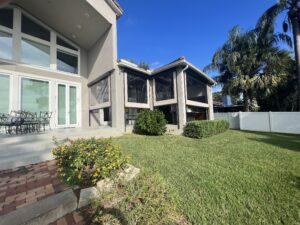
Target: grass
[(231, 178)]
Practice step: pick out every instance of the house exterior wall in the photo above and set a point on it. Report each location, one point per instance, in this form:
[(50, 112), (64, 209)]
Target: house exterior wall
[(93, 63)]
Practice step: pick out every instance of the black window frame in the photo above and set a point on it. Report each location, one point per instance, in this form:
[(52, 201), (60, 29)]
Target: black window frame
[(139, 98), (161, 76), (201, 82)]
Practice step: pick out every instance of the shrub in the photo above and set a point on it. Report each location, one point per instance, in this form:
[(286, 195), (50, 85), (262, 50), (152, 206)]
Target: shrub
[(205, 128), (150, 123), (147, 199), (83, 162)]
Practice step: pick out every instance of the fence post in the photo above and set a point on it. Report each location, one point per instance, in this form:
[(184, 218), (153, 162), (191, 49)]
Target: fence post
[(240, 120), (270, 121)]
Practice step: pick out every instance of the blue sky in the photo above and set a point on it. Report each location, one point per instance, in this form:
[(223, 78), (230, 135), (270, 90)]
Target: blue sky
[(160, 31)]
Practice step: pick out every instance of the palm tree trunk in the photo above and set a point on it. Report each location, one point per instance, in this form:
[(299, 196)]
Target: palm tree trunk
[(246, 101), (296, 33)]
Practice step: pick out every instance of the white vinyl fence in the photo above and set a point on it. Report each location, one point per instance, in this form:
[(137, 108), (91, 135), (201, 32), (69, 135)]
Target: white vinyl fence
[(279, 122)]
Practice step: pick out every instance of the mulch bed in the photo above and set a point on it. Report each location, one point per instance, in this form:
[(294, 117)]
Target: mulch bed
[(28, 184)]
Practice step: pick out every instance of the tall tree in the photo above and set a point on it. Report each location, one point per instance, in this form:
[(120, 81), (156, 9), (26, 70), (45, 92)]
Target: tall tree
[(248, 62), (291, 8)]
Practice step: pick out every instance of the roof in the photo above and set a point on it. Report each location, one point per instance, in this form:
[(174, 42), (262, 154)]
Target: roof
[(116, 7), (176, 63)]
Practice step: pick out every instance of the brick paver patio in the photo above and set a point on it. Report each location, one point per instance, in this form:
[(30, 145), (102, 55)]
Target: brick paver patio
[(28, 184)]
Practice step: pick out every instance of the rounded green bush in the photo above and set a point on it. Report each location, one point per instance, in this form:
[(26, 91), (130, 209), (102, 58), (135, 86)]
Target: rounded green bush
[(150, 123), (84, 162), (205, 128)]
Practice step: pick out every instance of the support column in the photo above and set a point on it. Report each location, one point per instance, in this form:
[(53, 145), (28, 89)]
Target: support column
[(210, 103), (181, 93)]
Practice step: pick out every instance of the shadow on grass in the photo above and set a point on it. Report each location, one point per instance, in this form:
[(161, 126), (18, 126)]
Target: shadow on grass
[(286, 141), (91, 215), (297, 183)]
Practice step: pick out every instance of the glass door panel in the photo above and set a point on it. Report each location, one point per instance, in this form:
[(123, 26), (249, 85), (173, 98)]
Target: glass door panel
[(62, 104), (73, 104), (67, 105), (4, 94)]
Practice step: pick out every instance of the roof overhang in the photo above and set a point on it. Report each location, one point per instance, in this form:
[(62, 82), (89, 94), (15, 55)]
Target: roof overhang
[(76, 20), (116, 7), (182, 62)]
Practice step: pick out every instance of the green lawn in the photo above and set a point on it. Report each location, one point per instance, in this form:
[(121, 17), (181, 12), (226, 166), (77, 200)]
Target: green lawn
[(232, 178)]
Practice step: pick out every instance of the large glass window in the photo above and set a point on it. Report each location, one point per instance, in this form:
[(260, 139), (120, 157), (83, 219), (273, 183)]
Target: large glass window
[(5, 45), (67, 62), (99, 92), (6, 18), (32, 28), (196, 89), (164, 87), (170, 112), (137, 88), (34, 95), (35, 53), (65, 44), (4, 94)]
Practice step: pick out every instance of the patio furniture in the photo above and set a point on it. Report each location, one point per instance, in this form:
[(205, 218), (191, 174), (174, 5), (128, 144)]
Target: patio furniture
[(19, 121), (44, 119)]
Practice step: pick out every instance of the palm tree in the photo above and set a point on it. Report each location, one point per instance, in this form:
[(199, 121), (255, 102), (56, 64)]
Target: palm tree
[(248, 62), (291, 8)]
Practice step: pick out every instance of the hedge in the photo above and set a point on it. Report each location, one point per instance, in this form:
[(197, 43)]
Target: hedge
[(205, 128), (150, 122)]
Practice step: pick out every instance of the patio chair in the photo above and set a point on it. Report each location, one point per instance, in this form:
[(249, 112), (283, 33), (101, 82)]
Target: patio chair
[(44, 119), (31, 123)]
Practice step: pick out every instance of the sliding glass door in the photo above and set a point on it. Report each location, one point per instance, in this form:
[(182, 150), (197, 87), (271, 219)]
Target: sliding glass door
[(4, 94), (67, 105)]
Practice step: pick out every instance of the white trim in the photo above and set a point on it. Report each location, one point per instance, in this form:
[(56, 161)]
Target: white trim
[(39, 67), (67, 101), (197, 104)]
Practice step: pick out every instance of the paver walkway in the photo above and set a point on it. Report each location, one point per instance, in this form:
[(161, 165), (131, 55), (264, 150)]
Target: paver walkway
[(28, 184), (74, 218)]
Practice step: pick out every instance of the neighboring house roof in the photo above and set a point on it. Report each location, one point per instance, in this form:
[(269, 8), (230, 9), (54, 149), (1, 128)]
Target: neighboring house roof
[(116, 7), (178, 62)]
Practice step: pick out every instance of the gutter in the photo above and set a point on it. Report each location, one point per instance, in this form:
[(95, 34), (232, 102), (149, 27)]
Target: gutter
[(116, 7)]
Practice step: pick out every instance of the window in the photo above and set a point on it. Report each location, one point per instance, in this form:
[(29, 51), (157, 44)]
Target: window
[(34, 53), (164, 87), (131, 115), (196, 113), (34, 95), (106, 112), (6, 18), (31, 28), (67, 62), (65, 44), (170, 112), (137, 88), (99, 92), (196, 89), (4, 94), (5, 45)]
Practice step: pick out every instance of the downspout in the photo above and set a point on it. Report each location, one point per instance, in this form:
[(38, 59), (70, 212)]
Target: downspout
[(184, 90)]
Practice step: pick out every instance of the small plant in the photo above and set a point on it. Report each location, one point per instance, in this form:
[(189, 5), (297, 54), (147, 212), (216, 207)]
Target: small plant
[(150, 123), (145, 200), (83, 162), (205, 128)]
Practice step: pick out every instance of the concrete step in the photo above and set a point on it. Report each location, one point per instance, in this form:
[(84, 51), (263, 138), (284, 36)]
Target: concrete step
[(43, 212)]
